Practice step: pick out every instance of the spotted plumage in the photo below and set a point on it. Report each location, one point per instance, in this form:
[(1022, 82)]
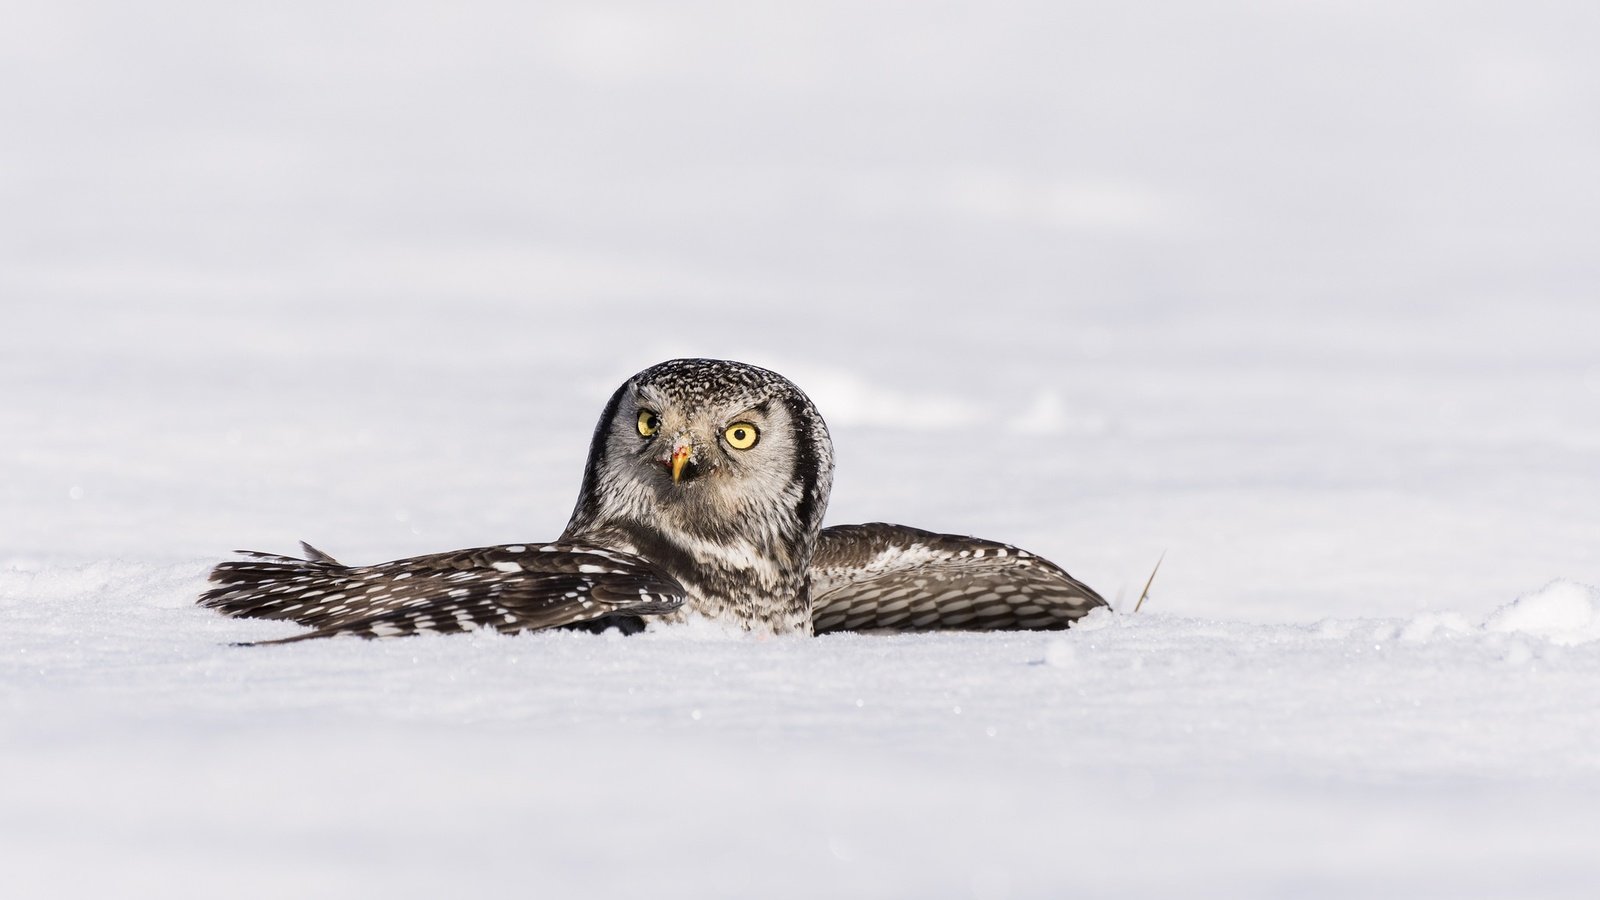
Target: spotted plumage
[(880, 577), (703, 496)]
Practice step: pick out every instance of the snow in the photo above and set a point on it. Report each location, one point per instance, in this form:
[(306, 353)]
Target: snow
[(1303, 298), (1563, 612)]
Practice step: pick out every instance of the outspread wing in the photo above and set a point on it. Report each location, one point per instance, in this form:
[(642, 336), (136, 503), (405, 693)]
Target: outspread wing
[(512, 588), (881, 577)]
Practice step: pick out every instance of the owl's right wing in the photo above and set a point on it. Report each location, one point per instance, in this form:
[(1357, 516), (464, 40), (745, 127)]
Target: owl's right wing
[(512, 588), (892, 578)]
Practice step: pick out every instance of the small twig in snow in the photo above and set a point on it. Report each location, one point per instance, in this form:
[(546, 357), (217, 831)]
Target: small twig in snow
[(1150, 582)]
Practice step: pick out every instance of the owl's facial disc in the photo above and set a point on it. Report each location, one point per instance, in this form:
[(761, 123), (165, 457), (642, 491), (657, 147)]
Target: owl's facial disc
[(697, 445)]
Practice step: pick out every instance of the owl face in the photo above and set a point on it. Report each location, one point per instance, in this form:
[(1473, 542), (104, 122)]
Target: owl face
[(714, 450), (700, 447)]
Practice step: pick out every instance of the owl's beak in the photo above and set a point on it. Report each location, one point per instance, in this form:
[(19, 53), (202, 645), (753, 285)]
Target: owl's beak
[(680, 458)]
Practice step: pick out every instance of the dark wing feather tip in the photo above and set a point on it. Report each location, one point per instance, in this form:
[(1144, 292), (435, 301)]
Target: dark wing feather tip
[(315, 555)]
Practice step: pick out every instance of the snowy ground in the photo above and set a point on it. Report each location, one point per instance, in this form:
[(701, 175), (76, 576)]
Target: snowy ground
[(1305, 297)]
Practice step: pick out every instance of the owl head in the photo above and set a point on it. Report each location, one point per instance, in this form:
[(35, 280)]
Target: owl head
[(709, 450)]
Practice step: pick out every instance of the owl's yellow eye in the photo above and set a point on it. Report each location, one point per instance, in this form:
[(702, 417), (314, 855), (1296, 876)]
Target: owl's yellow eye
[(741, 435), (649, 423)]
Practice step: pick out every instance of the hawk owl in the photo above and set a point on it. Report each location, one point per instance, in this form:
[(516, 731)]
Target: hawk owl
[(703, 496)]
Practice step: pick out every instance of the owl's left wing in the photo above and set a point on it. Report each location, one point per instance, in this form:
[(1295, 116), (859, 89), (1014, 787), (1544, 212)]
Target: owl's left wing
[(892, 578), (511, 588)]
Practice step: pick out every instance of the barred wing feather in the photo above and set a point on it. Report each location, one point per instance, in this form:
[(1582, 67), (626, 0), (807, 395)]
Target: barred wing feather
[(511, 588), (879, 577)]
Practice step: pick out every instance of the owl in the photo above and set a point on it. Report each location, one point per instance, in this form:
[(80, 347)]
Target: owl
[(703, 497)]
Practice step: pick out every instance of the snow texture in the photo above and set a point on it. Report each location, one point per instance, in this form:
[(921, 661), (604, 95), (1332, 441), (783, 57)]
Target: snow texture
[(1302, 296), (1563, 612)]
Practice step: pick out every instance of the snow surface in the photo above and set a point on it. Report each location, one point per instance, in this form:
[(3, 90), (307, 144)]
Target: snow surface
[(1303, 296)]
